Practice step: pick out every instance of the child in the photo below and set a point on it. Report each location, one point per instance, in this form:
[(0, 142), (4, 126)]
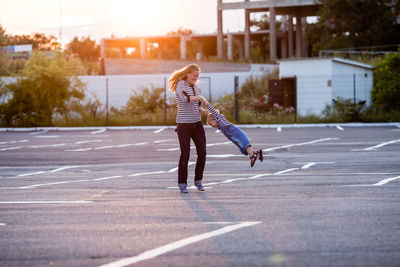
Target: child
[(233, 133)]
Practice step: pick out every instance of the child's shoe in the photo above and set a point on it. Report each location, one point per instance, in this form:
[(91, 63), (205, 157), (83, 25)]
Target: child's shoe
[(253, 160), (260, 155)]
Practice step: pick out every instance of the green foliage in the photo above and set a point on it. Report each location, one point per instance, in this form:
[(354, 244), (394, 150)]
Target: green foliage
[(256, 88), (46, 88), (345, 110), (85, 48), (356, 23), (145, 102), (39, 41), (386, 91)]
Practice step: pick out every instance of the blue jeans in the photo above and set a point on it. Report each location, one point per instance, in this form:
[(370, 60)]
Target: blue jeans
[(187, 131), (237, 136)]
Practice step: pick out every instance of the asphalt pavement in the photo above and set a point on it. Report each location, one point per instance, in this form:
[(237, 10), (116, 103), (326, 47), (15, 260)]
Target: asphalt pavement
[(324, 196)]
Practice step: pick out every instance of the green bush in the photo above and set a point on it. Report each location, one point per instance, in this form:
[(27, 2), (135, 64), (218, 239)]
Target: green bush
[(47, 88), (386, 91)]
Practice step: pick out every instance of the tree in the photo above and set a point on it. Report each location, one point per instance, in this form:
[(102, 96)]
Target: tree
[(86, 48), (386, 91), (48, 86), (39, 41), (356, 23)]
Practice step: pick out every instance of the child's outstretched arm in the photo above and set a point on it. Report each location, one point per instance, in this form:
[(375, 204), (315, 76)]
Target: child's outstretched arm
[(218, 116)]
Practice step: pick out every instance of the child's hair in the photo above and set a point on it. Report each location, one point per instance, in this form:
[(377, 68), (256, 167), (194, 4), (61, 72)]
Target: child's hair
[(181, 75)]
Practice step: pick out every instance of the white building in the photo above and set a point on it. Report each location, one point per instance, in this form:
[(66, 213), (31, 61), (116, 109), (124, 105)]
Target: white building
[(320, 80)]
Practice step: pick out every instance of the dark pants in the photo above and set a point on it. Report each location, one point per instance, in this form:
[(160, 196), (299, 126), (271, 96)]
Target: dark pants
[(195, 131)]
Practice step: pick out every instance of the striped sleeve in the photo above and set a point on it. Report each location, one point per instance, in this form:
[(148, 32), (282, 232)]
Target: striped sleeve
[(221, 120)]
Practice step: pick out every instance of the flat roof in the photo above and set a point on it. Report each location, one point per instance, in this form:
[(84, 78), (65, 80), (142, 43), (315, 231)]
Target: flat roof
[(333, 59)]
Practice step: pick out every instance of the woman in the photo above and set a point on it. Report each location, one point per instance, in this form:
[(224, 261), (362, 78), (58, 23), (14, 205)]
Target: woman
[(189, 126)]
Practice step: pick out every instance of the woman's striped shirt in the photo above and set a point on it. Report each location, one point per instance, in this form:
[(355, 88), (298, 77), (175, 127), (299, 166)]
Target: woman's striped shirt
[(188, 112)]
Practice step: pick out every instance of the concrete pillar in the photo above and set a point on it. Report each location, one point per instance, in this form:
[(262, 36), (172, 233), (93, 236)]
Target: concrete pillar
[(220, 34), (102, 49), (272, 34), (298, 33), (143, 48), (183, 46), (290, 36), (160, 50), (230, 46), (199, 54), (283, 40), (304, 42), (241, 49), (246, 34)]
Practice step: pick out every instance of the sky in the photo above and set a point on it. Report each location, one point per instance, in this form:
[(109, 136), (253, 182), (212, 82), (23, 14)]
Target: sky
[(122, 18)]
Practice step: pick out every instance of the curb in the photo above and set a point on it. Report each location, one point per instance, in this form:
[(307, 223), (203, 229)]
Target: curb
[(246, 126)]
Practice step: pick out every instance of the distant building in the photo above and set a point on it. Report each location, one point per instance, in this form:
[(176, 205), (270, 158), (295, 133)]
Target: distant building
[(18, 51), (312, 83)]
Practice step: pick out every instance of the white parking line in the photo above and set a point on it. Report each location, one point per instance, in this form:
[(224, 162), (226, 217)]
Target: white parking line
[(159, 130), (46, 202), (381, 145), (99, 131), (285, 171), (339, 127), (10, 148), (150, 254), (380, 183), (176, 168), (300, 144), (3, 224), (41, 132)]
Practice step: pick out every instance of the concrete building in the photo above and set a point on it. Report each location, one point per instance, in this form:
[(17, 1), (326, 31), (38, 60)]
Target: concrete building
[(317, 81), (289, 9)]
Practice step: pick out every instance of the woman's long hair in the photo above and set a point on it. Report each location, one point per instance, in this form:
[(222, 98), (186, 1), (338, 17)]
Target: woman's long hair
[(181, 75)]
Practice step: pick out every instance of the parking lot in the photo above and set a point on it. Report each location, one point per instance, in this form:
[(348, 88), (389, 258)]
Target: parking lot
[(324, 196)]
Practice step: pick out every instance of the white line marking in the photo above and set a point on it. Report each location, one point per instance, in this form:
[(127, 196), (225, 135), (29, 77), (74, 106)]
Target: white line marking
[(150, 254), (64, 168), (339, 127), (161, 141), (380, 183), (218, 144), (10, 148), (47, 136), (103, 147), (300, 144), (99, 131), (159, 130), (88, 141), (3, 224), (176, 168), (31, 173), (168, 149), (279, 129), (41, 132), (46, 202), (308, 165), (285, 171), (223, 156), (218, 131), (64, 182), (387, 180), (78, 150), (145, 173), (381, 145)]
